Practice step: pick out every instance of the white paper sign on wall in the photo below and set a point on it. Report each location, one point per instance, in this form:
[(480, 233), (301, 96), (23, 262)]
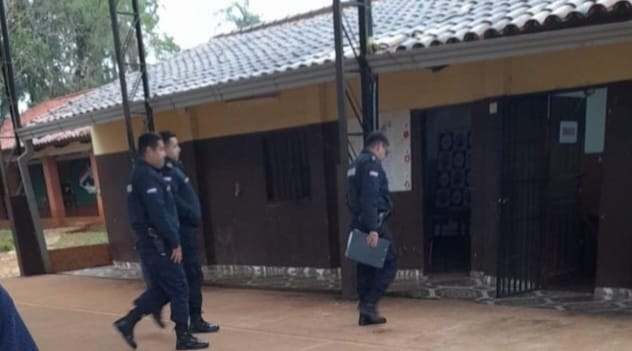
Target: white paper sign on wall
[(396, 126), (568, 132)]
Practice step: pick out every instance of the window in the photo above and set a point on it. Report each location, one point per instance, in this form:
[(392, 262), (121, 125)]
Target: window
[(287, 168)]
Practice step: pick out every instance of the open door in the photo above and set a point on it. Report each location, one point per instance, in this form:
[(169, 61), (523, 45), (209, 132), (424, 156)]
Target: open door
[(522, 202)]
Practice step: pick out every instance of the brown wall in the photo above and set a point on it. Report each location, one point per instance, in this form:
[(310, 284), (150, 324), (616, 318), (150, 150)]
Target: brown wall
[(485, 188), (614, 241), (249, 230), (114, 174)]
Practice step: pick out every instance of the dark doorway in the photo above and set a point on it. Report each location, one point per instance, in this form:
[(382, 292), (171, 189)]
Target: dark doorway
[(446, 195), (571, 224), (550, 186)]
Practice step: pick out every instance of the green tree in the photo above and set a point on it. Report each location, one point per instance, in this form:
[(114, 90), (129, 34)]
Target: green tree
[(240, 14), (59, 47)]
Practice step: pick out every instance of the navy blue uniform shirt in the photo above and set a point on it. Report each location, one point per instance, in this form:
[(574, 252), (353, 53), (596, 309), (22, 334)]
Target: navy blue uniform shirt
[(187, 202), (368, 195), (151, 205)]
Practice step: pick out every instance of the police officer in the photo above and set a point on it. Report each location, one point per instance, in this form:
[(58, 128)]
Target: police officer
[(370, 206), (14, 335), (190, 216), (154, 220)]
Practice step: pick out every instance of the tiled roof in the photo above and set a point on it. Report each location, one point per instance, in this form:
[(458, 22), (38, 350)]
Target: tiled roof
[(308, 40), (7, 136)]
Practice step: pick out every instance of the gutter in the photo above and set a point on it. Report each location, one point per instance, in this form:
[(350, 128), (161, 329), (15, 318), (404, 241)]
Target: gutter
[(487, 49)]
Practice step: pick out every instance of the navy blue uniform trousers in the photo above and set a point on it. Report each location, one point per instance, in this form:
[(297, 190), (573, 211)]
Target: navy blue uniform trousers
[(166, 282), (373, 282)]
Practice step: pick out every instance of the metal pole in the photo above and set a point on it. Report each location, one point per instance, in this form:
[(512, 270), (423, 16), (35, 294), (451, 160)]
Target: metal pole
[(44, 264), (143, 66), (346, 266), (121, 71), (8, 75), (369, 120)]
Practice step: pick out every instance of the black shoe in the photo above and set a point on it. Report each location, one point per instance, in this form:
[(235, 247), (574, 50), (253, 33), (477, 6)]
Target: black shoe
[(370, 319), (157, 316), (186, 341), (199, 325), (126, 327)]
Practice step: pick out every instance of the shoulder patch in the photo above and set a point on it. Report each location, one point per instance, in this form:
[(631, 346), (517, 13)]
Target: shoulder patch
[(186, 179), (374, 173), (351, 172), (152, 191), (129, 188)]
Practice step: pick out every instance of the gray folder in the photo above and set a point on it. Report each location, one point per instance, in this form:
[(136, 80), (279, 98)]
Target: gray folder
[(358, 250)]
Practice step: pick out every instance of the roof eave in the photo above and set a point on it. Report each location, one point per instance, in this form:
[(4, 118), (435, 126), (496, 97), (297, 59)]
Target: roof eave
[(504, 47)]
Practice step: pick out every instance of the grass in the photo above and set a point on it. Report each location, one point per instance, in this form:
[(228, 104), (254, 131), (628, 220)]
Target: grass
[(66, 240), (80, 239), (6, 241)]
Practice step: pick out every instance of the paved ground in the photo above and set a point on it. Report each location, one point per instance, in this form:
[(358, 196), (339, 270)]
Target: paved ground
[(75, 313)]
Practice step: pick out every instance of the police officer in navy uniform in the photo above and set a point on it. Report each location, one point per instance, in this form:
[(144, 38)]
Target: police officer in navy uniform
[(154, 221), (14, 335), (370, 205), (190, 217)]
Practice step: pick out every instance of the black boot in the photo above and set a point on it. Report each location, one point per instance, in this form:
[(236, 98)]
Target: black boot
[(157, 316), (126, 325), (369, 315), (199, 325), (186, 340)]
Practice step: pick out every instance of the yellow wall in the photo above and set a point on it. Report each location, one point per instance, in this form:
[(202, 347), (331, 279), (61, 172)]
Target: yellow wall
[(112, 137), (398, 91)]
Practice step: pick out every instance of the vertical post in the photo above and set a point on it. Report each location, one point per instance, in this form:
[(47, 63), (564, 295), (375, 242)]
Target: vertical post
[(143, 66), (347, 267), (31, 246), (121, 71), (369, 89), (9, 80), (53, 190)]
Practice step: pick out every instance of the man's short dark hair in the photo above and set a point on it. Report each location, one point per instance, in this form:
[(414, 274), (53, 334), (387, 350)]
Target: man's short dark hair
[(375, 138), (148, 141), (167, 135)]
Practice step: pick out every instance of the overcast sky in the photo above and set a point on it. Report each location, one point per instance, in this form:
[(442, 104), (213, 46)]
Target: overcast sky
[(193, 22)]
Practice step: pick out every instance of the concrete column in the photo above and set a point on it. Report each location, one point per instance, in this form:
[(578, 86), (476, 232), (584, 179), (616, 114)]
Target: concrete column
[(53, 190)]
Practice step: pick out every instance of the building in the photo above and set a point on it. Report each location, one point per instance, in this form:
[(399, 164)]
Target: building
[(510, 128), (61, 171)]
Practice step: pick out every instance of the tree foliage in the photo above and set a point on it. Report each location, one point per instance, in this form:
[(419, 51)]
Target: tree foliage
[(240, 14), (59, 47)]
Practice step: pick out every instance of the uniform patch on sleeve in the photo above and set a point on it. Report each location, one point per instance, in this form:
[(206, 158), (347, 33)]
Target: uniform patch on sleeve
[(186, 180), (129, 188), (152, 191), (374, 174), (351, 172)]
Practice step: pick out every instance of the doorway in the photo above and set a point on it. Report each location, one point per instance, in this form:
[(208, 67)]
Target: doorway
[(551, 186), (446, 190)]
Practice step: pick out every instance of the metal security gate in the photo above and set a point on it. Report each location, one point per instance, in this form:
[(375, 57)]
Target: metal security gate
[(522, 203)]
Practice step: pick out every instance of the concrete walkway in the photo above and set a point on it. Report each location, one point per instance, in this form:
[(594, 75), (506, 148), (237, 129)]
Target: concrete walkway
[(74, 313)]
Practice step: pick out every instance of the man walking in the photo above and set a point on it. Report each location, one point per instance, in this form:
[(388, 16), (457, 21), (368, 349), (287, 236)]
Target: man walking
[(370, 205), (154, 220), (190, 217)]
